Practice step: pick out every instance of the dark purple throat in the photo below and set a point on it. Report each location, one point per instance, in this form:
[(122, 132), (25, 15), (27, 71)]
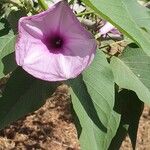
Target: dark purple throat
[(55, 42)]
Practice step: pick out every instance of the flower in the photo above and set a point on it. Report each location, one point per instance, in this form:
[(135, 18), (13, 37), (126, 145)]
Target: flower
[(109, 28), (53, 46)]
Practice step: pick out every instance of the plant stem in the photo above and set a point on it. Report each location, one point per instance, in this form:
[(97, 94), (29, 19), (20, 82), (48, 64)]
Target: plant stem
[(84, 13), (43, 4)]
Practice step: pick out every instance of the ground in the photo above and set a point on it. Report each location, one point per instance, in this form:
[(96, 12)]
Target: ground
[(52, 128)]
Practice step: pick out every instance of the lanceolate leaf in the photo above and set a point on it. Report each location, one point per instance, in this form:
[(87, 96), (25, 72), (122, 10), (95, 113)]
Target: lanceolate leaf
[(132, 71), (126, 15), (7, 44), (23, 94), (93, 101)]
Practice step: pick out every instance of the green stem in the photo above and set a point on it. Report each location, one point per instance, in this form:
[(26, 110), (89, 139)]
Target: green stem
[(43, 4), (84, 13)]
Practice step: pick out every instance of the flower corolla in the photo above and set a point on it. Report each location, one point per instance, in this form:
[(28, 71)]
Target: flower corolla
[(53, 45)]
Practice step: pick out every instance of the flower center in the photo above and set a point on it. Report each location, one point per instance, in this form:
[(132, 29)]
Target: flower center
[(56, 42)]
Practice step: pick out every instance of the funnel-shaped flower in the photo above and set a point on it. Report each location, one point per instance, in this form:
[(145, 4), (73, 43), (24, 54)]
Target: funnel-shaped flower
[(53, 45)]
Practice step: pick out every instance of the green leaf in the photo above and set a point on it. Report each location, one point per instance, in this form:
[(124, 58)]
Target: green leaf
[(132, 71), (93, 101), (130, 108), (13, 18), (7, 41), (128, 16), (142, 16), (23, 94)]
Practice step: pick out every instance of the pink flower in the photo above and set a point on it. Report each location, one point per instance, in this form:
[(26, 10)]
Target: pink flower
[(109, 28), (53, 45)]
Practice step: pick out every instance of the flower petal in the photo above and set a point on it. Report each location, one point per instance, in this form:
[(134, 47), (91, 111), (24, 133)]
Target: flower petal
[(54, 67), (106, 28), (69, 24)]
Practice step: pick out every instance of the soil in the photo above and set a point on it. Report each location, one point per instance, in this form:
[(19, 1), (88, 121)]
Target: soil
[(52, 128)]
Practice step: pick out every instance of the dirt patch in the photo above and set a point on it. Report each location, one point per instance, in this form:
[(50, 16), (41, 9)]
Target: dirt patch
[(49, 128)]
